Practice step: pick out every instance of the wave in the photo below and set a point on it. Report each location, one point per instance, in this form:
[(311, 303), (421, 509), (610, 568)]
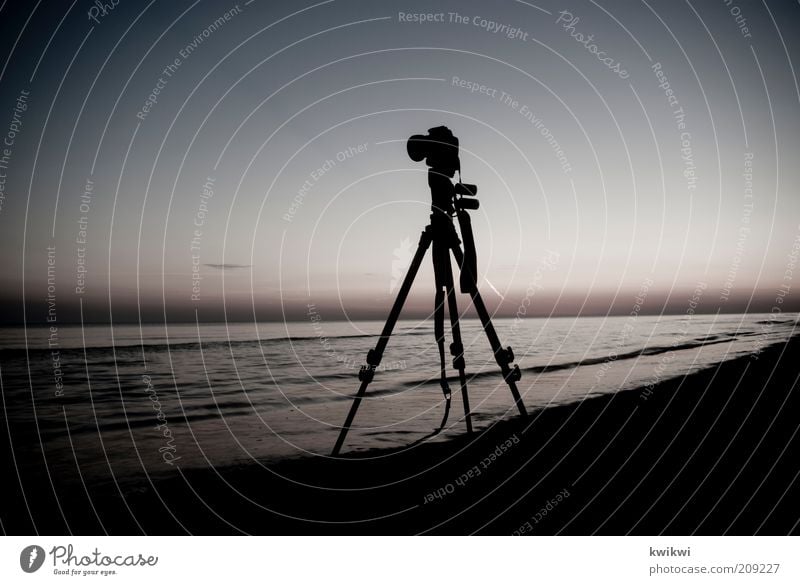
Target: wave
[(648, 351), (776, 321)]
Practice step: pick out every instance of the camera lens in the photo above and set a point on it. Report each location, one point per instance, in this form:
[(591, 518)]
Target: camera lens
[(417, 147)]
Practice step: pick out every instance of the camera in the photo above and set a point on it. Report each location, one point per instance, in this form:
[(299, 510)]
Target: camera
[(439, 148)]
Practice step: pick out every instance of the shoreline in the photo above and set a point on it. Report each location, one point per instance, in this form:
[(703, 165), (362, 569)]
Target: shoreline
[(713, 452)]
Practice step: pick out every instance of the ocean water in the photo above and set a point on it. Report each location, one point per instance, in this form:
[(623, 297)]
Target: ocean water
[(131, 400)]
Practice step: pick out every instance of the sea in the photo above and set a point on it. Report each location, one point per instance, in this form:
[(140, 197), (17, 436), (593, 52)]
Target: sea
[(99, 402)]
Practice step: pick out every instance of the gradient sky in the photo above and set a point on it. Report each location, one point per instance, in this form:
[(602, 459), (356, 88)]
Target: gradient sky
[(265, 99)]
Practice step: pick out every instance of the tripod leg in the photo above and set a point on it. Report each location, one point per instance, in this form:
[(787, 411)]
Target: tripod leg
[(438, 320), (457, 347), (503, 356), (375, 356), (444, 286), (438, 328)]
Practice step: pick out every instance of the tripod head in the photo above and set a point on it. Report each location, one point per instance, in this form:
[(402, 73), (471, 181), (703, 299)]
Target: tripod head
[(439, 148)]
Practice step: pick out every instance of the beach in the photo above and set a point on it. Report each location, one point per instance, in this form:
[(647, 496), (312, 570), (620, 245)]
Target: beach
[(711, 452)]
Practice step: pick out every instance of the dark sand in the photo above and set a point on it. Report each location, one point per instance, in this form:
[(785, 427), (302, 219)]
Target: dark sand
[(712, 453)]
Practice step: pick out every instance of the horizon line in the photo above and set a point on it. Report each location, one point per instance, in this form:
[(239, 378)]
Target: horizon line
[(409, 318)]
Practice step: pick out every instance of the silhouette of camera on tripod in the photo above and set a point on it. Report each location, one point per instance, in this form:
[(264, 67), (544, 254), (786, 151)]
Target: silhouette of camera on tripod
[(439, 149)]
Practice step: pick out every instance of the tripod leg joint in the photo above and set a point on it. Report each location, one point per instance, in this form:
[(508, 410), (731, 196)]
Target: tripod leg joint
[(505, 356), (513, 374), (457, 351), (374, 358), (366, 373)]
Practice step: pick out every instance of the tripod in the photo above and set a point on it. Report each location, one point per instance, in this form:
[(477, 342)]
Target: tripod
[(441, 233)]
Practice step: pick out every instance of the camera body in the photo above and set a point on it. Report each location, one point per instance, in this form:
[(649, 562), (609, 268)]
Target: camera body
[(439, 149)]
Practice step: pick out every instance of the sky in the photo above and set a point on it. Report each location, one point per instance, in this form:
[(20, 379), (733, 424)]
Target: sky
[(195, 160)]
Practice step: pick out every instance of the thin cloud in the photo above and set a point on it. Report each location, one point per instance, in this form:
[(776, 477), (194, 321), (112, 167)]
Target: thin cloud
[(228, 266)]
